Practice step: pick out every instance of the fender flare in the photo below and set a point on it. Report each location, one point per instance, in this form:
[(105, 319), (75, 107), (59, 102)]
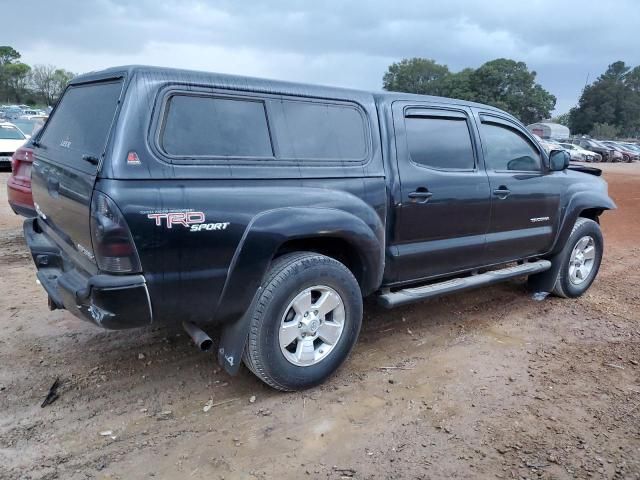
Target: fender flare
[(263, 237), (544, 282), (578, 203)]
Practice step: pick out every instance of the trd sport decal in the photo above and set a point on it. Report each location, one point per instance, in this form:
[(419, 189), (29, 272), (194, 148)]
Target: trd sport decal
[(194, 221)]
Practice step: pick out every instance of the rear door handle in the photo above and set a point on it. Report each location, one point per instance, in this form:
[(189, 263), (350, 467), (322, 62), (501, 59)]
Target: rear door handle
[(502, 191), (420, 196)]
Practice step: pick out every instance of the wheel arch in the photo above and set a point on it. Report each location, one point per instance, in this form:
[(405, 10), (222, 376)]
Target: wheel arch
[(337, 248), (583, 204), (589, 204), (592, 213), (355, 238)]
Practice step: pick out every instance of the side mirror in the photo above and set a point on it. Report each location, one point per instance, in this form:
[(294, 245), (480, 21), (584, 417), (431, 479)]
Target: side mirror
[(559, 160)]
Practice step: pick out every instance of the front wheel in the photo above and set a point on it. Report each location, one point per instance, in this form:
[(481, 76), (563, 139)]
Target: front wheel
[(305, 321), (581, 258)]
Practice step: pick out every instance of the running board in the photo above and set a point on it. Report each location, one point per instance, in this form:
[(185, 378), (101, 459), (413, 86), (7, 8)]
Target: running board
[(416, 294)]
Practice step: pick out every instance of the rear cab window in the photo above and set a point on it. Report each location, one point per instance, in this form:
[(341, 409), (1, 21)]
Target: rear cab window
[(80, 125)]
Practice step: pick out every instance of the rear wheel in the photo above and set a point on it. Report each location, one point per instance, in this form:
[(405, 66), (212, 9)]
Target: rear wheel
[(581, 258), (305, 321)]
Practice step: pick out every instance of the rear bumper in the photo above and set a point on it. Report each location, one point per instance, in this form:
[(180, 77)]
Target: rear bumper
[(109, 301), (20, 199)]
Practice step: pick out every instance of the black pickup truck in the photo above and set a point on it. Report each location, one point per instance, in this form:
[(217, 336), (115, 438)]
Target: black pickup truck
[(272, 208)]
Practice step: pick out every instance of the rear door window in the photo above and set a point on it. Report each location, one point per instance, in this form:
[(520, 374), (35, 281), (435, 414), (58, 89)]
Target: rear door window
[(201, 126), (440, 142), (81, 123)]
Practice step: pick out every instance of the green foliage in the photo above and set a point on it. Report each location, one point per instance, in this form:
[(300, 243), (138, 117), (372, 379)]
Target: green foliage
[(604, 131), (613, 99), (562, 119), (415, 75), (458, 85), (19, 83), (8, 55), (503, 83), (17, 77)]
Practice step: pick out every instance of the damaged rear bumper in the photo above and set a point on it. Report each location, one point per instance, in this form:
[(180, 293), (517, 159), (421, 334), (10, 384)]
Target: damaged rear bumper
[(109, 301)]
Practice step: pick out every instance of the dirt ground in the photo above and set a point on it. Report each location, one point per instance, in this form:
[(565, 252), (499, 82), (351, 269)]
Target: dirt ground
[(485, 384)]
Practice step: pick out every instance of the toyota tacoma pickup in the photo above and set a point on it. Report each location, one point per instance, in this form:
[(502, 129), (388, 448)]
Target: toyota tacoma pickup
[(271, 209)]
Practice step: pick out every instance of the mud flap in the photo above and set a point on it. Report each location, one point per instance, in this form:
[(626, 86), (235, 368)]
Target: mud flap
[(545, 281), (234, 339)]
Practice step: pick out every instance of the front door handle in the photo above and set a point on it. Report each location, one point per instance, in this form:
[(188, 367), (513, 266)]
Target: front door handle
[(502, 192), (420, 195)]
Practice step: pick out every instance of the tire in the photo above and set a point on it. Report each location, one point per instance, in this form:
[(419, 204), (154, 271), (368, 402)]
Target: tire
[(573, 281), (292, 281)]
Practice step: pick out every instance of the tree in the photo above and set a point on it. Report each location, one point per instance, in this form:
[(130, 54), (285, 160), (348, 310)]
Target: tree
[(503, 83), (613, 99), (61, 78), (604, 131), (8, 55), (415, 75), (510, 85), (458, 85), (49, 82), (19, 83), (16, 79), (42, 81), (562, 119)]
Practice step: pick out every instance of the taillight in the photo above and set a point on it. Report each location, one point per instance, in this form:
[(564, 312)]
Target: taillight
[(113, 245), (22, 154)]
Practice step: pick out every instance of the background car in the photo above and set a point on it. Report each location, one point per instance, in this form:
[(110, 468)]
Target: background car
[(608, 153), (12, 112), (19, 182), (548, 145), (628, 154), (633, 146), (30, 125), (579, 154), (11, 138)]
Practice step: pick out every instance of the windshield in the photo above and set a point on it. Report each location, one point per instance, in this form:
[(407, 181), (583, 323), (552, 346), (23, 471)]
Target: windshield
[(9, 132), (27, 126)]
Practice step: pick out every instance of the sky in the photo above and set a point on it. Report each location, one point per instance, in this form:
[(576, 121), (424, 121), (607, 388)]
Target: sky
[(333, 42)]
